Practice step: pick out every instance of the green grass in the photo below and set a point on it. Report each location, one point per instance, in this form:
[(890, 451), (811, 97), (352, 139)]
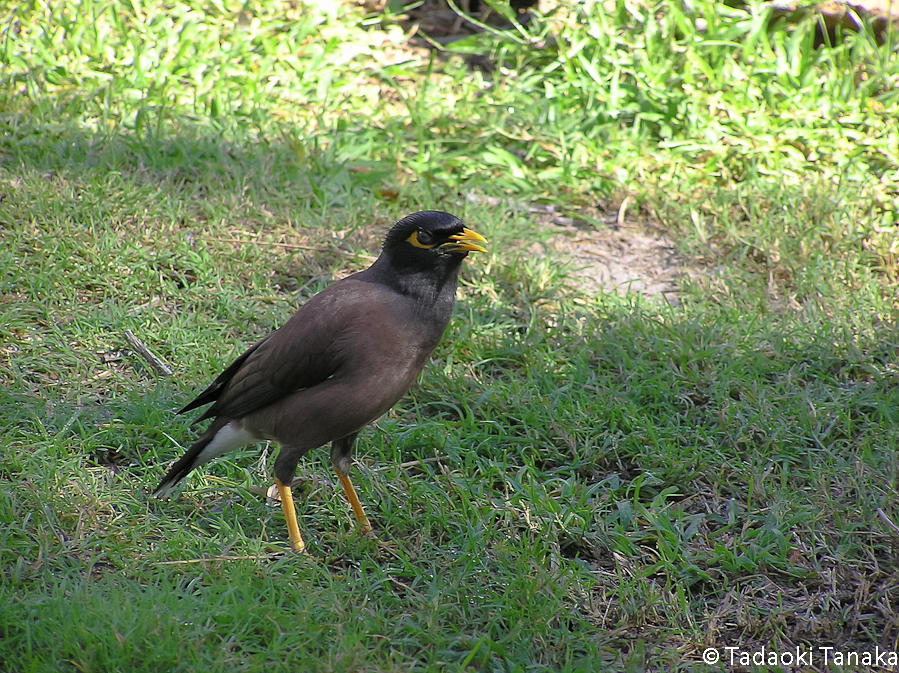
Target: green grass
[(621, 482)]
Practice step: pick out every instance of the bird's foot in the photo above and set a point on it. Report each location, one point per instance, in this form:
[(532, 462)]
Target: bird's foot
[(290, 514), (365, 528)]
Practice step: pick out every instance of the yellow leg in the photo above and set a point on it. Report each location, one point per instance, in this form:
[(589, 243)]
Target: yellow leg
[(290, 513), (364, 525)]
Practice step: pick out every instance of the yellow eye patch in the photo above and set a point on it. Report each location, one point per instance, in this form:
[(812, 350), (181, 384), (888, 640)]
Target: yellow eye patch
[(413, 239)]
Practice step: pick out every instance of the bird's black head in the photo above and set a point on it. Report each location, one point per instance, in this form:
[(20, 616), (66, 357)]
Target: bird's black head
[(430, 234), (424, 251)]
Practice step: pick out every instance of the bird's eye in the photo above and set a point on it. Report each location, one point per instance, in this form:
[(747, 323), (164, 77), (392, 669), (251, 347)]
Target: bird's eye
[(424, 237)]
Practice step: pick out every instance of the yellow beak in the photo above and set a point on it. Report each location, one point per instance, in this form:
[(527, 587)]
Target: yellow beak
[(467, 241)]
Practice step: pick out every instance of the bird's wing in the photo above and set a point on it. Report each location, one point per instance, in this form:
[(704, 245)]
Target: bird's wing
[(306, 351), (211, 394)]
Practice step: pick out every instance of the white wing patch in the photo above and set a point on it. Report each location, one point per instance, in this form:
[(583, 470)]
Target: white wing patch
[(227, 439), (230, 437)]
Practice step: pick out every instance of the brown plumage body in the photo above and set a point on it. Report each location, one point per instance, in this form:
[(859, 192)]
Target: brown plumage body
[(344, 358)]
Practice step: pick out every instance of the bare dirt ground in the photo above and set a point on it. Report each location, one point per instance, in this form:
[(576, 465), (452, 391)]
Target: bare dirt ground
[(617, 252), (625, 257)]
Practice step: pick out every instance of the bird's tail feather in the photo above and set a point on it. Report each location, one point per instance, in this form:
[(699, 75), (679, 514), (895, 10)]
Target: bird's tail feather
[(221, 436)]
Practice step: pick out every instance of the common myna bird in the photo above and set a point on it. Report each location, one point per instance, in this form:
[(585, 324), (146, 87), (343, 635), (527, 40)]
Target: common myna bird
[(343, 359)]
